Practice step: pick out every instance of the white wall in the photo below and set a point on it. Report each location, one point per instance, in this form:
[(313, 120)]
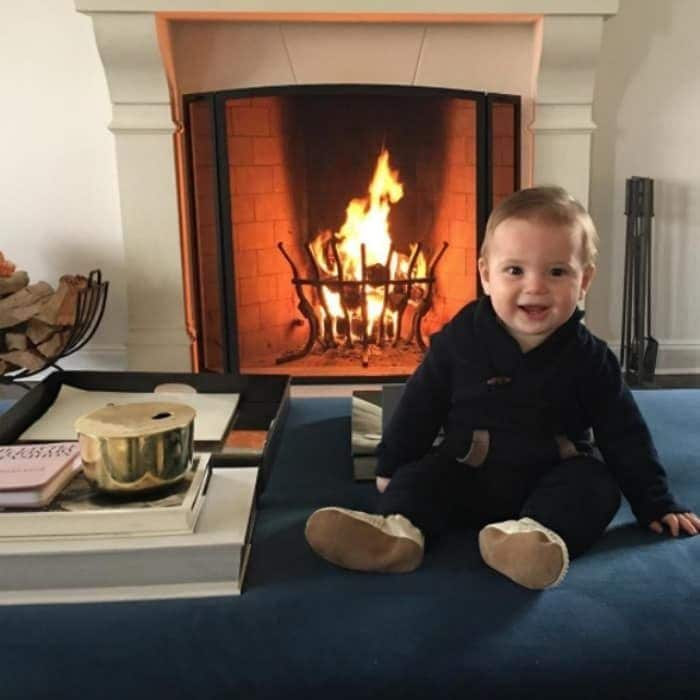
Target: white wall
[(59, 202), (647, 107)]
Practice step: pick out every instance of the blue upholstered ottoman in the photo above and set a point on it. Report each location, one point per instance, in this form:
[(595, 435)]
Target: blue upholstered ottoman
[(624, 624)]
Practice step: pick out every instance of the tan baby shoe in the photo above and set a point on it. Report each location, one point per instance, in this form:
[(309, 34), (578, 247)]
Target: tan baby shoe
[(364, 542), (526, 552)]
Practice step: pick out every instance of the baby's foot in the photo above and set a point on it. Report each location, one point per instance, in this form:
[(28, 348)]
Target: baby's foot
[(526, 552), (364, 542)]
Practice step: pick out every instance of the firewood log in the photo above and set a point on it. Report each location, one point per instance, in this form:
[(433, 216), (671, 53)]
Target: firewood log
[(13, 283), (7, 267), (22, 305), (15, 341), (60, 309), (51, 347), (27, 359), (38, 331)]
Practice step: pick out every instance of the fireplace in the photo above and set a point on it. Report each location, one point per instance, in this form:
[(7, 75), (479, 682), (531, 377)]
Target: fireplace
[(334, 228), (156, 51)]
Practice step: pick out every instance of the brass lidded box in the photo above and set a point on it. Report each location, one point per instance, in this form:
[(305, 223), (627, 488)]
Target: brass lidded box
[(135, 447)]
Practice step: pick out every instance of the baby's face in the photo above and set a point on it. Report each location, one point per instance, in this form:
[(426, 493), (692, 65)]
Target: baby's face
[(535, 275)]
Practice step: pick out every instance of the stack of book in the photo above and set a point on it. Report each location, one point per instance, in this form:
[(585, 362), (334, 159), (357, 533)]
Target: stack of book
[(192, 540), (32, 475), (366, 432), (371, 411)]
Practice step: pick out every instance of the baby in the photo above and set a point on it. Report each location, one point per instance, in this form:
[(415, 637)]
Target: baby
[(541, 432)]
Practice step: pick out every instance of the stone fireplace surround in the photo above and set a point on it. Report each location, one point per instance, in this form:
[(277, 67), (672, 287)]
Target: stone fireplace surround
[(154, 51)]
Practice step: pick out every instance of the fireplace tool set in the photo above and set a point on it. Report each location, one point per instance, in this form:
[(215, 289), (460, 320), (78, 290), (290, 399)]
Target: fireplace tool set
[(395, 294), (638, 351)]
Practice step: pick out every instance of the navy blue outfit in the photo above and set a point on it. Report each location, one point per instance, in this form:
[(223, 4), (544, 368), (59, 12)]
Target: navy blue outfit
[(552, 434)]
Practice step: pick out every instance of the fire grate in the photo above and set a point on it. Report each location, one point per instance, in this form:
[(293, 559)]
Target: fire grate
[(355, 325)]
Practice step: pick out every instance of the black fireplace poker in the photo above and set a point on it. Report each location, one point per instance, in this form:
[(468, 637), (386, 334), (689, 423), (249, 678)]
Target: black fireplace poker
[(638, 349)]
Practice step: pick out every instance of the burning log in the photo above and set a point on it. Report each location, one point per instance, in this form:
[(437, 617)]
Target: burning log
[(351, 298), (377, 274), (417, 292), (396, 297)]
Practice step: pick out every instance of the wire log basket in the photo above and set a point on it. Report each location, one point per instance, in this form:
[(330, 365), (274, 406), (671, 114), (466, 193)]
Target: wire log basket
[(89, 310)]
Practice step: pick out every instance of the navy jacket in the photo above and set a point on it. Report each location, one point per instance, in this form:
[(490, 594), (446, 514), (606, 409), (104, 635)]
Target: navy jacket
[(567, 386)]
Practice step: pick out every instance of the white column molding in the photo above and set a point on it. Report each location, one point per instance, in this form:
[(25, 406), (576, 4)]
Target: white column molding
[(142, 118), (128, 46), (570, 48), (563, 125), (143, 127), (564, 118)]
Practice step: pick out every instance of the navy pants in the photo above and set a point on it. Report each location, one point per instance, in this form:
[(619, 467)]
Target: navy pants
[(577, 498)]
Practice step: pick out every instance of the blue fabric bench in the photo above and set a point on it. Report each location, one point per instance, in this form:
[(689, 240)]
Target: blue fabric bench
[(624, 624)]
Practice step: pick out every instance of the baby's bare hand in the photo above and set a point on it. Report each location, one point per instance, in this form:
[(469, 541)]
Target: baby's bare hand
[(382, 483), (676, 522)]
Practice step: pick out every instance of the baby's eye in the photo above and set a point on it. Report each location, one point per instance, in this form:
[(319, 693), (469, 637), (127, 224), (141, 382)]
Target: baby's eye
[(514, 270), (558, 271)]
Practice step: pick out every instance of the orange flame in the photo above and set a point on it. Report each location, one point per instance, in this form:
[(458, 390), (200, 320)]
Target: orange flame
[(366, 223)]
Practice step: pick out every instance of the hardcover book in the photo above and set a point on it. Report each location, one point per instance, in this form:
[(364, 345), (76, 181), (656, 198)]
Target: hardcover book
[(32, 475), (211, 561), (81, 510), (245, 447)]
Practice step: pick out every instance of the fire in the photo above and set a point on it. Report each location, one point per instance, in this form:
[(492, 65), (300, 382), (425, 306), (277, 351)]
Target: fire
[(339, 257), (367, 220)]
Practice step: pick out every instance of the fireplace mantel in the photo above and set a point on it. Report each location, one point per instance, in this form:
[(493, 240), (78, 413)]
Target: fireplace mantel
[(295, 42)]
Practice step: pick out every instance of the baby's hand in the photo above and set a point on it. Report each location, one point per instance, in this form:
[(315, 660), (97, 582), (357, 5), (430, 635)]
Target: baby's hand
[(688, 522), (383, 482)]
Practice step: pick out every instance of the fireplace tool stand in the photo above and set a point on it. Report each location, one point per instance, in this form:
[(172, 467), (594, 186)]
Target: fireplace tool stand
[(353, 295), (639, 350)]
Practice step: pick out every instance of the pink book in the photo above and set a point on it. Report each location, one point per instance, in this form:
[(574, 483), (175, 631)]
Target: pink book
[(31, 475)]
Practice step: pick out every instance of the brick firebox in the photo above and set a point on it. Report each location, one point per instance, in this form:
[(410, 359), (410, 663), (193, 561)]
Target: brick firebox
[(292, 173)]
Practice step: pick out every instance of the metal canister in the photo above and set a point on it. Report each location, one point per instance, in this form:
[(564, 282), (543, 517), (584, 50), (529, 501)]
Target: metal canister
[(135, 447)]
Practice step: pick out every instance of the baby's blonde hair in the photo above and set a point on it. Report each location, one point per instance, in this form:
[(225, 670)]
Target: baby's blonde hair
[(549, 205)]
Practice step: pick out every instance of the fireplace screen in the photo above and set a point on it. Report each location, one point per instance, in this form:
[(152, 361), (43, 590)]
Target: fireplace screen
[(333, 229)]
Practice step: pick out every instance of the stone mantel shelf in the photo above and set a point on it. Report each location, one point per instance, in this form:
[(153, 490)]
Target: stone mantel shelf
[(407, 7), (563, 40)]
